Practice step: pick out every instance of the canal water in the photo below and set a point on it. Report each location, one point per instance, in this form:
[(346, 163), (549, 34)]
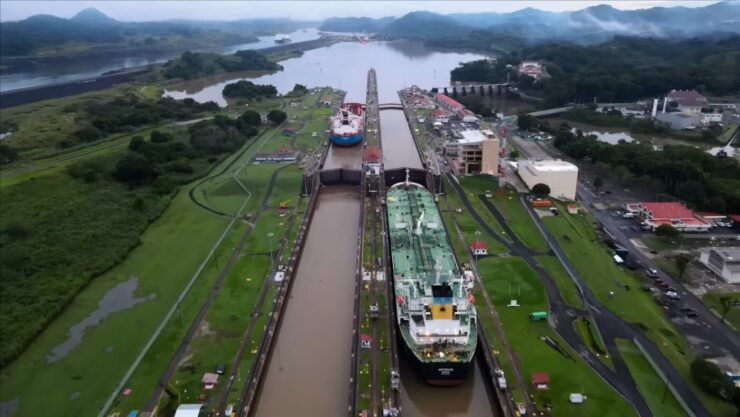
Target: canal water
[(79, 69), (344, 66), (421, 400), (309, 371), (399, 149)]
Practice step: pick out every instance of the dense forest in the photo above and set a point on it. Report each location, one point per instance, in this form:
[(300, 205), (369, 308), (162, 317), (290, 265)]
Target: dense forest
[(623, 69), (705, 181), (57, 232), (198, 64), (249, 90)]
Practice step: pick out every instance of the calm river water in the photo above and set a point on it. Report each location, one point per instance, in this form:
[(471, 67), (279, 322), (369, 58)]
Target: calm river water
[(87, 68), (344, 66)]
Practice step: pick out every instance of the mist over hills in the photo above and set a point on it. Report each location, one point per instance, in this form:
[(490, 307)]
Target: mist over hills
[(592, 24), (489, 30)]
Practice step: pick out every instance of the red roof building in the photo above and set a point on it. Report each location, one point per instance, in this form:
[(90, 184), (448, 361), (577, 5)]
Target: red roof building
[(689, 101), (675, 214), (448, 103), (440, 113), (541, 380), (373, 154), (479, 247)]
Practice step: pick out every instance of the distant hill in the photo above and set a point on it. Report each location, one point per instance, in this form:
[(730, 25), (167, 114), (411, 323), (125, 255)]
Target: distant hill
[(589, 25), (91, 26)]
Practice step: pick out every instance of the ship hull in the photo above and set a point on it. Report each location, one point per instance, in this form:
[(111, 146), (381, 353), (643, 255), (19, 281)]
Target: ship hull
[(438, 373), (346, 140)]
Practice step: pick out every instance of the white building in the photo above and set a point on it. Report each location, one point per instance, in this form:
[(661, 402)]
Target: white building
[(724, 262), (560, 176), (688, 101)]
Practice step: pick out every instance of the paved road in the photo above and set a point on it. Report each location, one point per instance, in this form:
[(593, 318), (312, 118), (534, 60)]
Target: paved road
[(561, 315), (718, 339)]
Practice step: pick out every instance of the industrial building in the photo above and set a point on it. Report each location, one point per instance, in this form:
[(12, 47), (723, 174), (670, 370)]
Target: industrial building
[(724, 262), (560, 176), (475, 152), (688, 101), (672, 213)]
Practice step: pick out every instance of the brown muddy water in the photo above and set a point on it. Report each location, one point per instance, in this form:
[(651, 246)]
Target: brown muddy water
[(344, 157), (308, 374), (399, 149), (418, 399)]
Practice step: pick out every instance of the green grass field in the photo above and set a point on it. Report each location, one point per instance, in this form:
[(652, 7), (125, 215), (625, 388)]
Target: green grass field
[(577, 236), (507, 278), (564, 282), (660, 400)]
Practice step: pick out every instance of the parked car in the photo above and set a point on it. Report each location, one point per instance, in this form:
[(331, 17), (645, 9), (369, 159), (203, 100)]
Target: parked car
[(692, 314), (652, 272)]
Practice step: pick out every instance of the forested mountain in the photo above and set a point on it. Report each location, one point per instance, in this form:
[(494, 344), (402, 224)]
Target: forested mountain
[(90, 26), (623, 69), (589, 25)]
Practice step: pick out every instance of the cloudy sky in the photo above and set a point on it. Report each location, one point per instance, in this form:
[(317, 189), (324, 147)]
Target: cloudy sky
[(299, 10)]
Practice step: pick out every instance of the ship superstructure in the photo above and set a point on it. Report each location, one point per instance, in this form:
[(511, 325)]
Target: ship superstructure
[(434, 303), (347, 126)]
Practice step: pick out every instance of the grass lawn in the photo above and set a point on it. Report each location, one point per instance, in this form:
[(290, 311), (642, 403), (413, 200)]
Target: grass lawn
[(565, 283), (577, 236), (660, 400), (592, 338), (712, 301), (506, 278), (511, 208)]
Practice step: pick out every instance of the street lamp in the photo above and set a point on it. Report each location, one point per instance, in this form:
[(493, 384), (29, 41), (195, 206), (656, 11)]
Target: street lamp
[(475, 255), (269, 238)]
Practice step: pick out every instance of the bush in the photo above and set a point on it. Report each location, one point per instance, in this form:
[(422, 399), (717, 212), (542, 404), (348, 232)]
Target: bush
[(541, 190), (158, 137), (88, 134), (277, 116), (133, 169), (87, 171), (136, 143), (251, 118), (7, 154), (710, 378)]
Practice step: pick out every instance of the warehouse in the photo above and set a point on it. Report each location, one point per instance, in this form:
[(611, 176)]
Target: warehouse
[(560, 176)]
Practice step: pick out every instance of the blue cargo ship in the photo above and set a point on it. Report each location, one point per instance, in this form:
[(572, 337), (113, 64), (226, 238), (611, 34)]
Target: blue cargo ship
[(347, 126)]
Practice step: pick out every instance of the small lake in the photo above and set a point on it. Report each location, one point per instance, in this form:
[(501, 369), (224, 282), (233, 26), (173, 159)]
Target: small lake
[(399, 64), (79, 69), (612, 138)]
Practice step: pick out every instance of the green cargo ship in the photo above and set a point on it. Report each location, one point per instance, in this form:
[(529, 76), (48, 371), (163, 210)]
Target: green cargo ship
[(434, 304)]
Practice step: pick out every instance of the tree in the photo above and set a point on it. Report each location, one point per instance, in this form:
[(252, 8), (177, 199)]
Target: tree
[(726, 302), (598, 182), (7, 154), (251, 118), (667, 231), (682, 262), (710, 378), (277, 116), (526, 122), (134, 169), (158, 137), (541, 190), (514, 154), (136, 143)]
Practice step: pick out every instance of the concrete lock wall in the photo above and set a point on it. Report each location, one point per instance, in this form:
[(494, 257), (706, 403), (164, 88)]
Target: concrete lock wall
[(340, 176)]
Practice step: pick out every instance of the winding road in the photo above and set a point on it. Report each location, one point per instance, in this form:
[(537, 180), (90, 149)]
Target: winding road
[(562, 316)]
